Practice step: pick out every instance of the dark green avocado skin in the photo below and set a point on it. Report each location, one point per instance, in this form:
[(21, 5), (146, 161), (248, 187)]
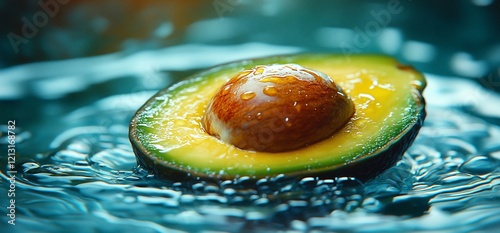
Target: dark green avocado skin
[(362, 169)]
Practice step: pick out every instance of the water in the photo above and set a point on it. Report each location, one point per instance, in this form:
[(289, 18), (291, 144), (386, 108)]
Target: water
[(76, 169)]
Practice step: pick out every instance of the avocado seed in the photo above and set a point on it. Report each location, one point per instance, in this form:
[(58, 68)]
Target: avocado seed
[(276, 108)]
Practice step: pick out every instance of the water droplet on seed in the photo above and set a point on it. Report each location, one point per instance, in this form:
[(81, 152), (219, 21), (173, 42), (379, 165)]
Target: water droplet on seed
[(270, 91), (242, 74), (258, 71), (278, 79), (248, 95), (226, 89)]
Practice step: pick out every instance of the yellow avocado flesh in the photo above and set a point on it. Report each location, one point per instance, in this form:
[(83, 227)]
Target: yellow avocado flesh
[(387, 98)]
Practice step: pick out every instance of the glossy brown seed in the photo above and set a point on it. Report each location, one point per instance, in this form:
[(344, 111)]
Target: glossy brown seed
[(277, 108)]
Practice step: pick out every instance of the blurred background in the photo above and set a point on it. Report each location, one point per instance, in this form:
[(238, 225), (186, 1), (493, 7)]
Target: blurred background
[(73, 72), (442, 38)]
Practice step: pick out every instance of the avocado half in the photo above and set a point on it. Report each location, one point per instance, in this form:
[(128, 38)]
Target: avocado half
[(169, 140)]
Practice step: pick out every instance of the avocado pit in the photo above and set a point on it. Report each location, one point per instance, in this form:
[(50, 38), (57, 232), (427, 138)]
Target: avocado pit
[(277, 108)]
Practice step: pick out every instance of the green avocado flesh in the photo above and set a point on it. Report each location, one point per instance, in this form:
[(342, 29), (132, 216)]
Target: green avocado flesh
[(168, 138)]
